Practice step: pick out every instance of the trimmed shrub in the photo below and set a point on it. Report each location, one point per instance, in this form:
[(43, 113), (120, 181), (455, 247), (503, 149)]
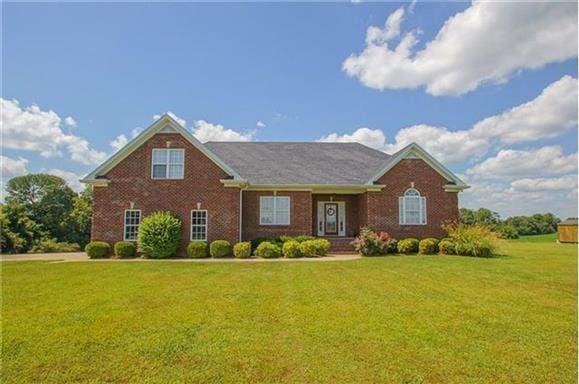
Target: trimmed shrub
[(428, 246), (274, 240), (408, 246), (125, 249), (322, 246), (291, 249), (299, 239), (308, 248), (159, 235), (242, 250), (220, 248), (268, 250), (97, 249), (197, 249), (51, 245), (476, 240), (446, 247)]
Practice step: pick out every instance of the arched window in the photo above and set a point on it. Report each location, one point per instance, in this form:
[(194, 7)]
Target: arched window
[(412, 208)]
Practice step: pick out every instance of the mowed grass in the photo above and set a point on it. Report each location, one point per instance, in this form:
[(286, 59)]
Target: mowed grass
[(548, 238), (397, 319)]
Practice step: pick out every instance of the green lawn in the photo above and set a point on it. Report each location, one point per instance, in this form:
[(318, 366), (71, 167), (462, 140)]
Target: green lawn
[(397, 319), (548, 238)]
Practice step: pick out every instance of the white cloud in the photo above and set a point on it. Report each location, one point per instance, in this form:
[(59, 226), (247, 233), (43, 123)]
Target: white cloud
[(12, 167), (373, 138), (447, 146), (205, 131), (121, 140), (32, 129), (551, 113), (70, 122), (260, 124), (524, 196), (71, 178), (181, 121), (376, 35), (486, 43), (509, 163), (562, 183)]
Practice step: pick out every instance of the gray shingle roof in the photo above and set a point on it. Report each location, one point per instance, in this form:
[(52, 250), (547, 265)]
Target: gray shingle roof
[(301, 163)]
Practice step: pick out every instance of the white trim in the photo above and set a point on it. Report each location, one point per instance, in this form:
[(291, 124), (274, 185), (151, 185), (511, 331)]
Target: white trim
[(275, 198), (314, 188), (125, 223), (321, 217), (414, 149), (162, 123), (191, 224), (422, 212), (167, 164)]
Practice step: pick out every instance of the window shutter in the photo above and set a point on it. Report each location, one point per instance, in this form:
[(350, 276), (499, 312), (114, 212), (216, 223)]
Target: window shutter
[(401, 218), (423, 210)]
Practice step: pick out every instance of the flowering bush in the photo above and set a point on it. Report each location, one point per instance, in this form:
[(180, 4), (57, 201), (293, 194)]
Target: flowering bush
[(370, 243)]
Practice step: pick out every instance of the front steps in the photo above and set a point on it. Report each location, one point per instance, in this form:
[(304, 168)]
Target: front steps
[(340, 244)]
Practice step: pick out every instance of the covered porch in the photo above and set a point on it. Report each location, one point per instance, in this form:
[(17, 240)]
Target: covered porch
[(338, 217)]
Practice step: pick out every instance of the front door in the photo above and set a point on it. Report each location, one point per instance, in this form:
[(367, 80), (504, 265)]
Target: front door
[(331, 218)]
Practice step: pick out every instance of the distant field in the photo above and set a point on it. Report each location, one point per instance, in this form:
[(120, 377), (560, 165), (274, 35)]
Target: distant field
[(394, 319), (548, 238)]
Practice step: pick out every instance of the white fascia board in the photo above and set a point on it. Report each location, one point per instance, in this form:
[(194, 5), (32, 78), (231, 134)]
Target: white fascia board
[(314, 188)]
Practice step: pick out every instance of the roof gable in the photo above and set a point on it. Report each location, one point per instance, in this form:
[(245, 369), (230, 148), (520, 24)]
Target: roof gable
[(165, 124), (414, 151)]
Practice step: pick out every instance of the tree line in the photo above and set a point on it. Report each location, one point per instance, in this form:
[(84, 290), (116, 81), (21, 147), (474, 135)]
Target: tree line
[(512, 227), (41, 213)]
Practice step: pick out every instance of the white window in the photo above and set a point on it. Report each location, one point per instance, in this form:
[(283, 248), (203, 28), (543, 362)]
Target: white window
[(199, 224), (132, 221), (412, 208), (274, 210), (168, 163)]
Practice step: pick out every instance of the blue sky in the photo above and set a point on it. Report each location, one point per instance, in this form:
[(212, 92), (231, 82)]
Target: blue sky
[(112, 67)]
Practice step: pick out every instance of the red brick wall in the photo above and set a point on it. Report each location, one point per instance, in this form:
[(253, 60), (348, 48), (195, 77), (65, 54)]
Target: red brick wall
[(300, 215), (441, 206), (352, 211), (131, 182)]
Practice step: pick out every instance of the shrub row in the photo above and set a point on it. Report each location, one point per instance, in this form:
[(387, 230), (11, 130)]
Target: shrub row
[(221, 248), (477, 241)]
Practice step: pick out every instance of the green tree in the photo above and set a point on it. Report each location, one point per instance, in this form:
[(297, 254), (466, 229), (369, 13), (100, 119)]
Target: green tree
[(78, 222), (46, 200), (18, 232)]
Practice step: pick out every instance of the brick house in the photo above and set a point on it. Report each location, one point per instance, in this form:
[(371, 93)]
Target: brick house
[(243, 190)]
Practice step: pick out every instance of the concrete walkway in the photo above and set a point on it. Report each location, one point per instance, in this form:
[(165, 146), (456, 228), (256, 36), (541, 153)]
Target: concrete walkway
[(81, 256)]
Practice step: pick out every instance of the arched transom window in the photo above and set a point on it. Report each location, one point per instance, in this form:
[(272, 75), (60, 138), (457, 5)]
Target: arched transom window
[(412, 208)]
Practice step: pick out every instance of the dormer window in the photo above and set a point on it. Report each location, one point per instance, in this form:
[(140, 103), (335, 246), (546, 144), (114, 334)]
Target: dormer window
[(168, 163)]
